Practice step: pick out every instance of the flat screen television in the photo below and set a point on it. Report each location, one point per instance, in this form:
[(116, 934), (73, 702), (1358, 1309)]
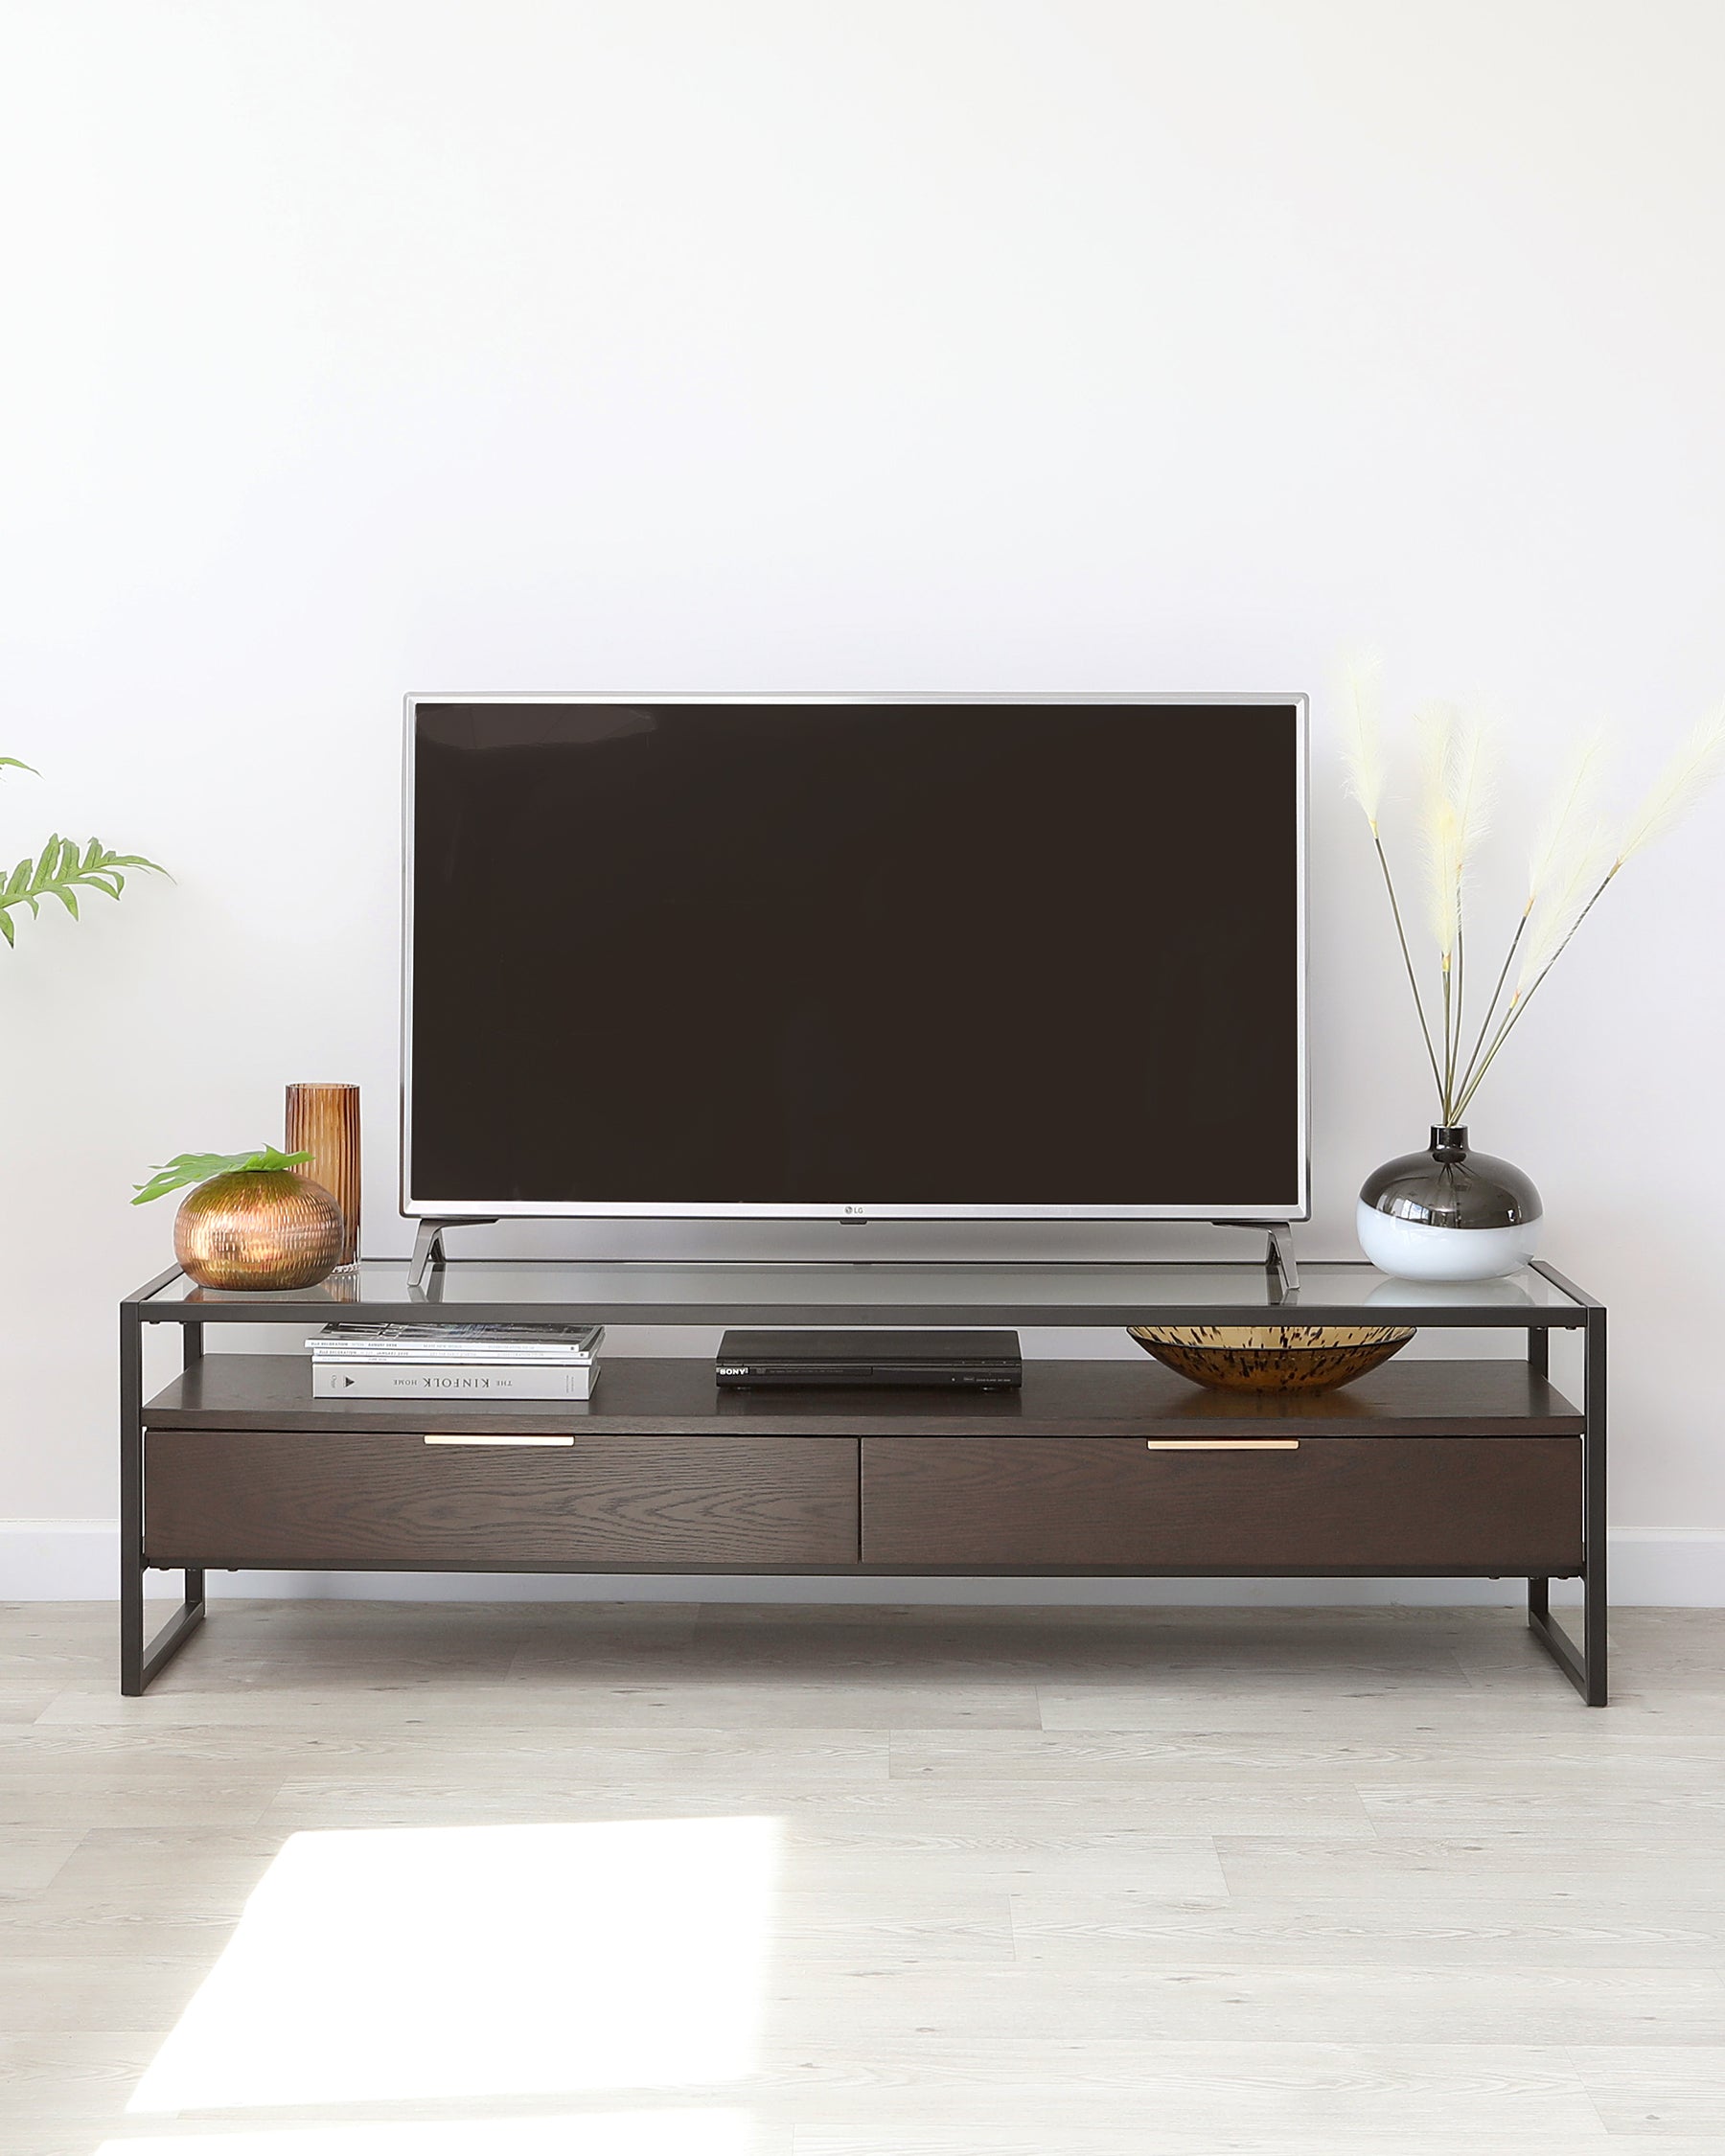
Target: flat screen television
[(854, 958)]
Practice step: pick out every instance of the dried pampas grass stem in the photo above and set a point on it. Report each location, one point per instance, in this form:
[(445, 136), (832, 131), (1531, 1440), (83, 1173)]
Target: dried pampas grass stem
[(1363, 750), (1571, 864), (1675, 792)]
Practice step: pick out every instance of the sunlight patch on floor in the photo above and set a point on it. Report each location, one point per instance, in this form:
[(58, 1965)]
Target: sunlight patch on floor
[(665, 2133), (412, 1962)]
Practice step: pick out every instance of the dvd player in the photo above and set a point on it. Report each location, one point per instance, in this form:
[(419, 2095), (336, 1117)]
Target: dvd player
[(972, 1362)]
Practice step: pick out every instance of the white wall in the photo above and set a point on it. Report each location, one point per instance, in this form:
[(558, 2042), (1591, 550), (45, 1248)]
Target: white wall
[(359, 345)]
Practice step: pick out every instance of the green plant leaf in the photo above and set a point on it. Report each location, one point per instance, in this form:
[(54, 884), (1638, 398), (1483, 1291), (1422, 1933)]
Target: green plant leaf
[(62, 869), (272, 1157), (17, 763), (198, 1167)]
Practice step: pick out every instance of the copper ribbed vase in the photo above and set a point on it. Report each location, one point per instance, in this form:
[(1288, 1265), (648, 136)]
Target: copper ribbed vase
[(324, 1121), (258, 1227)]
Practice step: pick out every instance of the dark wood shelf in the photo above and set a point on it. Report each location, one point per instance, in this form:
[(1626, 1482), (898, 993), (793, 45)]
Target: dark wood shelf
[(638, 1395)]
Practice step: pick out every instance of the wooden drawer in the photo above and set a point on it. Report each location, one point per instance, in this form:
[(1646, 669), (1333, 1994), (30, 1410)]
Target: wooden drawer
[(370, 1501), (1444, 1506)]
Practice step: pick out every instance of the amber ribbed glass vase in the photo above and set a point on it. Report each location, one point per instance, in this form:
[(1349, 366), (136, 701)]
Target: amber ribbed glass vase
[(324, 1121)]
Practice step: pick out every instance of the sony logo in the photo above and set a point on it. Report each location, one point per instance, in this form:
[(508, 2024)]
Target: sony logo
[(733, 1369)]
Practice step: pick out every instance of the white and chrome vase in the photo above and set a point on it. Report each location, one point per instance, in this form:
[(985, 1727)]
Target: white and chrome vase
[(1448, 1214)]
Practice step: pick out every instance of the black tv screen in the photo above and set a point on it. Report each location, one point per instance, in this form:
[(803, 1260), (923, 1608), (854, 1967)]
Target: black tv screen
[(856, 958)]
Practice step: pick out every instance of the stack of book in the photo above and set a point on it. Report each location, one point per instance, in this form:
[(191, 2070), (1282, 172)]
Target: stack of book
[(456, 1362)]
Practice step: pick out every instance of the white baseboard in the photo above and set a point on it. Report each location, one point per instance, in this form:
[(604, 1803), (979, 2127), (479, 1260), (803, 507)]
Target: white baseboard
[(78, 1560)]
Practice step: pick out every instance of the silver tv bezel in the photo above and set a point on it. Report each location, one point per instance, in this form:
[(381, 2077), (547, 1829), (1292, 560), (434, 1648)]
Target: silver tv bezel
[(1226, 1208)]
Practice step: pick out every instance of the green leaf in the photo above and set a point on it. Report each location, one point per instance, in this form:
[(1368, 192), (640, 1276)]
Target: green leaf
[(199, 1167), (63, 868), (175, 1174), (271, 1157), (6, 930), (15, 764)]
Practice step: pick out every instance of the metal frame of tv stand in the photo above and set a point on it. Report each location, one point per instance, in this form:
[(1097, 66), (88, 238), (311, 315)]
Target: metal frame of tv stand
[(1584, 1661)]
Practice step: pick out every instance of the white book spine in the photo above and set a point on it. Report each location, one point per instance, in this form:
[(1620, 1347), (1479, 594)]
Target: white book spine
[(463, 1362), (429, 1380)]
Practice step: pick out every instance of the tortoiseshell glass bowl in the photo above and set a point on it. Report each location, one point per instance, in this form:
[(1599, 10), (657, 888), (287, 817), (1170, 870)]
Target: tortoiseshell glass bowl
[(258, 1228), (1271, 1358)]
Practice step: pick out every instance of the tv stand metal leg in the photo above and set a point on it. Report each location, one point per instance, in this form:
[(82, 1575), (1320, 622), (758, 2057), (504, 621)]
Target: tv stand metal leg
[(1586, 1666), (1557, 1643), (1594, 1591), (131, 1501), (131, 1630), (139, 1659), (140, 1663), (428, 1249), (1278, 1252)]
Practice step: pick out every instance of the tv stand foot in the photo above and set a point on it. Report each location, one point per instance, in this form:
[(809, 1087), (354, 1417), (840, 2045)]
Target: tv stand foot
[(1279, 1261), (1279, 1257), (428, 1248), (139, 1659)]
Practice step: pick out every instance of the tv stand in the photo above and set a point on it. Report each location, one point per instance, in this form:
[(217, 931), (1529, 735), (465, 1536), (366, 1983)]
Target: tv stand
[(1279, 1261), (1428, 1467), (1279, 1254), (428, 1248)]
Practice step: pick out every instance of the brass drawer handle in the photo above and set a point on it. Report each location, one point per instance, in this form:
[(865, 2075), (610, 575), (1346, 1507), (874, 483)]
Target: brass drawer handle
[(1222, 1444), (501, 1438)]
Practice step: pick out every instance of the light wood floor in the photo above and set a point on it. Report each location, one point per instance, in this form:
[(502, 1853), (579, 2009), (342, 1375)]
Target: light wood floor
[(1115, 1884)]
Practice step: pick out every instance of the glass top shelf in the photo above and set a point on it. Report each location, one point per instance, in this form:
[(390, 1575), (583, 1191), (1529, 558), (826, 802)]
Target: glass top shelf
[(657, 1292)]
